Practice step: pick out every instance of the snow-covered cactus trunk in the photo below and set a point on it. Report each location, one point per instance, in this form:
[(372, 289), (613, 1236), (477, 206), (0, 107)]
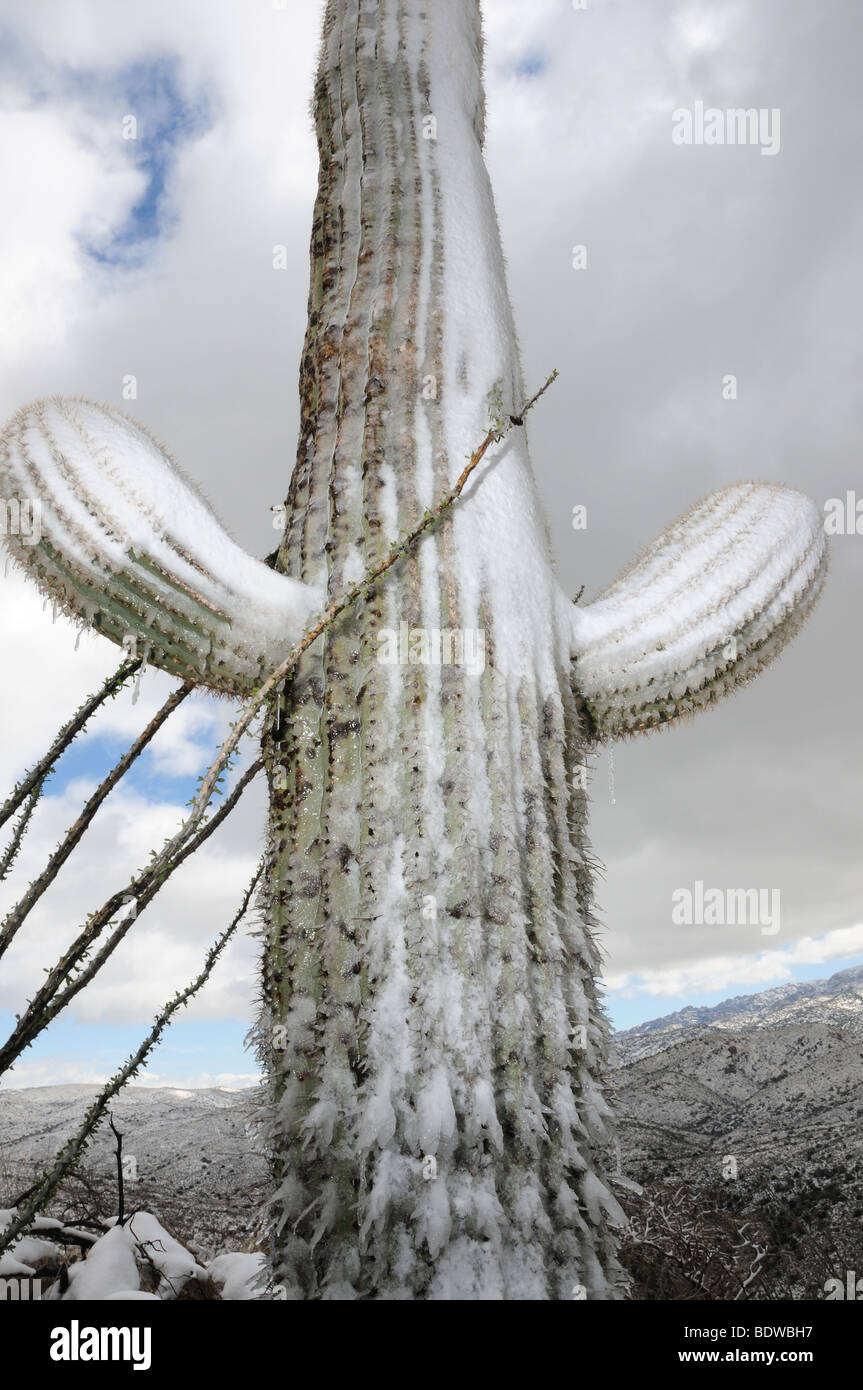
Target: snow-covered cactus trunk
[(430, 1026)]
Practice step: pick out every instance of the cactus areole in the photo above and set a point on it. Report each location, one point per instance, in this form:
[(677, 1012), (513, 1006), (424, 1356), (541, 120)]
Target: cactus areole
[(430, 1025)]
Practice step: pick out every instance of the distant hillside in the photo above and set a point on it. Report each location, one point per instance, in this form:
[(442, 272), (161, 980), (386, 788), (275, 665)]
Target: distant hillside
[(197, 1161), (838, 999)]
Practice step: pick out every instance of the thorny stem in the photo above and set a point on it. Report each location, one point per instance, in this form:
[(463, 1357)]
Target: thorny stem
[(65, 737), (14, 845), (50, 1000), (18, 914), (69, 1155)]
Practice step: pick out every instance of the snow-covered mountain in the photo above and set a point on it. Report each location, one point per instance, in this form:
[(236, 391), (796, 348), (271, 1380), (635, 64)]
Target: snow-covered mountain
[(195, 1157), (773, 1079), (838, 999)]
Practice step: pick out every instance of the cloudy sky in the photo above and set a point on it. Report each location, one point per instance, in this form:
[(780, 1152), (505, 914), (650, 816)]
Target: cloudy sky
[(152, 258)]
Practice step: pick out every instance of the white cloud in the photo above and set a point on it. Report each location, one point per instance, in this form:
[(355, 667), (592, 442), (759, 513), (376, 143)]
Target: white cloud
[(56, 1070), (60, 188), (164, 948), (733, 973)]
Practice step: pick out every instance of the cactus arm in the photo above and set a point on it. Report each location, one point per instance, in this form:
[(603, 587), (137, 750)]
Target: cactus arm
[(125, 543), (710, 603)]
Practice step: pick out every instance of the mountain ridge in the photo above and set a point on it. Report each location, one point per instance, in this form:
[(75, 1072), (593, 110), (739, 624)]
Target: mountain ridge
[(789, 1002)]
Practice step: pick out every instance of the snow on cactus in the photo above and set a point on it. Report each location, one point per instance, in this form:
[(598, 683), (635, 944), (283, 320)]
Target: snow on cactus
[(126, 544), (713, 600), (430, 1021)]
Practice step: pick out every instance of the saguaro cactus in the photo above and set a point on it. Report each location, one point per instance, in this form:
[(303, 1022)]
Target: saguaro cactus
[(430, 1024)]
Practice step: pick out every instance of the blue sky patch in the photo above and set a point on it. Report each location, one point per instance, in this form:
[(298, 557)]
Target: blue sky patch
[(630, 1005), (93, 757), (531, 65), (167, 118), (158, 121), (189, 1047)]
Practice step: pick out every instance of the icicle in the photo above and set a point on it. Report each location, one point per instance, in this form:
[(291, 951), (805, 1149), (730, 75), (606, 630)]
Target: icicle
[(6, 566), (140, 676), (611, 775), (78, 638)]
